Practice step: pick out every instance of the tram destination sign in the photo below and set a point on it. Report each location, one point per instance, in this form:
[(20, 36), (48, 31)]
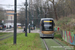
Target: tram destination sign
[(47, 21)]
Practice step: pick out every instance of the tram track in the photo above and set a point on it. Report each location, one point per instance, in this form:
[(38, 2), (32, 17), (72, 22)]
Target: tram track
[(55, 44), (45, 44), (59, 44), (6, 36)]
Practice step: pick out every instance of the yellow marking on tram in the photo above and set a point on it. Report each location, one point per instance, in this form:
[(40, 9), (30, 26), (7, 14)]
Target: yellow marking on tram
[(47, 21)]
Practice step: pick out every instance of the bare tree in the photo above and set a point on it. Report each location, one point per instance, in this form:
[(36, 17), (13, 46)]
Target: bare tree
[(53, 2), (21, 17)]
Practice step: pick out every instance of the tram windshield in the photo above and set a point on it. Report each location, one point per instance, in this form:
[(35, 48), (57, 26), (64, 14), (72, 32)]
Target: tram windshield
[(47, 25)]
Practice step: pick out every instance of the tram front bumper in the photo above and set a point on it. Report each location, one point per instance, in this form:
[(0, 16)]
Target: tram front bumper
[(46, 35)]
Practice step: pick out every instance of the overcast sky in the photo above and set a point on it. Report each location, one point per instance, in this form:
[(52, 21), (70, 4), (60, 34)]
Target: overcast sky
[(11, 2)]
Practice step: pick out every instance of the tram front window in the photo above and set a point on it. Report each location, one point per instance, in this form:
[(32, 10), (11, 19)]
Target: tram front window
[(47, 26)]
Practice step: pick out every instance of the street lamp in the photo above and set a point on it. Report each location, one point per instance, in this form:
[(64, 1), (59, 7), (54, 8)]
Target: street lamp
[(26, 18)]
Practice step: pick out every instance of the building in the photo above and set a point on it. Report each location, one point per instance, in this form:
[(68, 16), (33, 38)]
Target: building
[(10, 18)]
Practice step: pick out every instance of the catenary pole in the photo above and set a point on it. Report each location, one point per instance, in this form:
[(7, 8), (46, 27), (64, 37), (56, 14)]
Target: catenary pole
[(26, 18), (15, 20), (29, 16)]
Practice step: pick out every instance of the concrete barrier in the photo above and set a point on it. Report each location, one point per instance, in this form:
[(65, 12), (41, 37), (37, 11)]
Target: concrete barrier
[(68, 36)]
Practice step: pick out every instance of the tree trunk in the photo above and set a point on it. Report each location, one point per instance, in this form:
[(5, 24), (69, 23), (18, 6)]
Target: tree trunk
[(55, 11)]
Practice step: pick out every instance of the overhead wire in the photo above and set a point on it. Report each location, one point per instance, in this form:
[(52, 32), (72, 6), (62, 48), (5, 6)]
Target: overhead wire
[(9, 5)]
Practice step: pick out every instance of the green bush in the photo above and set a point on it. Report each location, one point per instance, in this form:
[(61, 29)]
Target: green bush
[(65, 23), (58, 36)]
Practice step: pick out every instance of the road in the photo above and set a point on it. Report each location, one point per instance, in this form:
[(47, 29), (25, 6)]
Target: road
[(35, 31), (20, 30), (11, 30)]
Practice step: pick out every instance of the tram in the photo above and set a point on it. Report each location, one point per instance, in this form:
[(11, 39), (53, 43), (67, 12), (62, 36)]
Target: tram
[(47, 28)]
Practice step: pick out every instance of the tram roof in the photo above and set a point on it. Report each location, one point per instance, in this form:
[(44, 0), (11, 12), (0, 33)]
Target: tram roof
[(46, 18)]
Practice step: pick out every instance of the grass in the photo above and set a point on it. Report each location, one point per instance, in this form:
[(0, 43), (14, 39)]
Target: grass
[(57, 35), (31, 42), (6, 35), (1, 33), (51, 43), (43, 46)]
